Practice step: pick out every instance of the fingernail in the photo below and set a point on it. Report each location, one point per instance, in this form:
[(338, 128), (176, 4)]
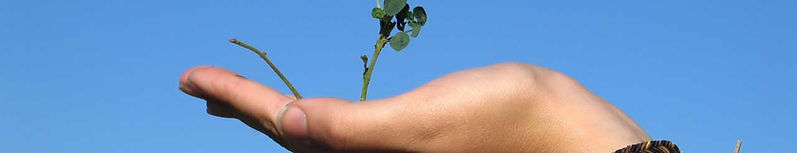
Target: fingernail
[(294, 123), (190, 88)]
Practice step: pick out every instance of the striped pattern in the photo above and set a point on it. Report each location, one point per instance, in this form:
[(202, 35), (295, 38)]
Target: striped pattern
[(659, 146)]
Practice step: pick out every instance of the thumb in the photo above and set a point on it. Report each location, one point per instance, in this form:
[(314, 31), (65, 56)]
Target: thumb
[(339, 125)]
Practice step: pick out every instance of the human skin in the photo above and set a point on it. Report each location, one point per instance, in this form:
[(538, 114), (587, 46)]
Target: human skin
[(507, 107)]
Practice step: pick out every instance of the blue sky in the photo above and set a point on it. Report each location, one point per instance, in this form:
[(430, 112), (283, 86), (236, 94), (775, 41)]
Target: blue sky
[(101, 76)]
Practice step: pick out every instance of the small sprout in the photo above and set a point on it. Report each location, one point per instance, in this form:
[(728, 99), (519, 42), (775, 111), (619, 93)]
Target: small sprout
[(400, 10)]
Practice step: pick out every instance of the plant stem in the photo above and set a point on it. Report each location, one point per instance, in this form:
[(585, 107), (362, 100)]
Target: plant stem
[(263, 56), (380, 43)]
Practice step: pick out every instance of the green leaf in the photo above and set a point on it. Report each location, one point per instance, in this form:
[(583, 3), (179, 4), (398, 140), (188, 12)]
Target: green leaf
[(399, 41), (415, 31), (420, 15), (414, 25), (377, 13), (393, 7)]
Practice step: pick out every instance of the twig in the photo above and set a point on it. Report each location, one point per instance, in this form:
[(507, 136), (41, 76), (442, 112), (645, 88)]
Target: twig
[(263, 55), (738, 146)]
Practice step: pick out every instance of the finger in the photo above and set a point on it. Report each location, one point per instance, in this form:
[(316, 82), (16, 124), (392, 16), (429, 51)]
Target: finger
[(340, 125), (252, 102)]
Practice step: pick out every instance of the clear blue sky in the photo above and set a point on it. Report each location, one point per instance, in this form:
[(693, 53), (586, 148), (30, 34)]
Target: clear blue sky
[(102, 75)]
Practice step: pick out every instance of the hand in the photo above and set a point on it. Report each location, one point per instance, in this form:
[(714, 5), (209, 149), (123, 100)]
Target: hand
[(510, 107)]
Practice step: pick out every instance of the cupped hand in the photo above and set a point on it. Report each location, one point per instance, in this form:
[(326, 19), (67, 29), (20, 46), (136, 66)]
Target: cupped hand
[(508, 107)]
